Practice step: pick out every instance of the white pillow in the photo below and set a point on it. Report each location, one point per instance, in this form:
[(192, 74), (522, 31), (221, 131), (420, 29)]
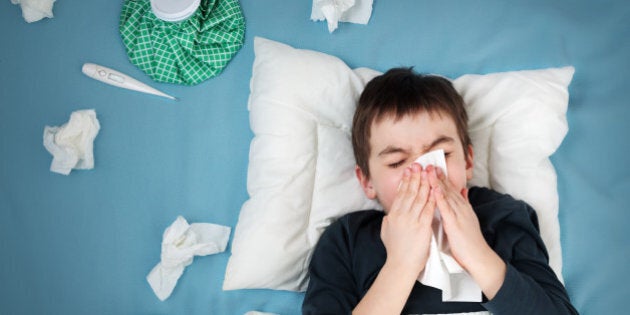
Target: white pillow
[(301, 165)]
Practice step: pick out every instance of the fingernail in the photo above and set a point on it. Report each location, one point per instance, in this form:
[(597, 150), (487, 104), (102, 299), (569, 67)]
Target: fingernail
[(407, 172), (415, 167)]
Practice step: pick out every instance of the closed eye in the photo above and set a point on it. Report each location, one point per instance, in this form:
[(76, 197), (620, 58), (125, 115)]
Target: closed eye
[(397, 164)]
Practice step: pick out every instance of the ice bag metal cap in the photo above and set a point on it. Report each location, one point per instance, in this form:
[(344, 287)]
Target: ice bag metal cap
[(174, 10)]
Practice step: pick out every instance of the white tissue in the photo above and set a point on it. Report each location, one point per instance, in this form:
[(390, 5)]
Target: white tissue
[(442, 271), (35, 10), (334, 11), (180, 243), (71, 145)]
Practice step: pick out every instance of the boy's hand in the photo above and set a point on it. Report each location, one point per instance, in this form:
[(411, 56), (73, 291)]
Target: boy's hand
[(458, 218), (462, 229), (406, 233), (406, 230)]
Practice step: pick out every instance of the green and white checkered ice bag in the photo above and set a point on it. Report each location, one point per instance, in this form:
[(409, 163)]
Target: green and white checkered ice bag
[(186, 52)]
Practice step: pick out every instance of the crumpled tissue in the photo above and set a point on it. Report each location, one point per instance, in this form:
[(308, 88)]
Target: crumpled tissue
[(442, 271), (35, 10), (71, 144), (180, 243), (334, 11)]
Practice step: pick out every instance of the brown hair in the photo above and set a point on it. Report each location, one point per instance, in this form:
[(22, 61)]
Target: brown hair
[(400, 92)]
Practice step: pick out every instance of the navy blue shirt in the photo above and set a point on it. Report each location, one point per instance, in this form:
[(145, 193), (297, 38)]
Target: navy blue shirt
[(350, 254)]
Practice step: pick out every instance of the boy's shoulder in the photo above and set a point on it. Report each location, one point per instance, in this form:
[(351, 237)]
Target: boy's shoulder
[(483, 197), (356, 222), (495, 208), (358, 219), (362, 215)]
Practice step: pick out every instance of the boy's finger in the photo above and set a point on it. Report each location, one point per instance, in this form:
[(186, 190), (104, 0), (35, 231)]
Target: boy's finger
[(402, 190), (426, 215), (440, 174), (448, 190), (408, 191), (434, 179), (404, 182), (423, 194), (416, 169), (446, 211), (412, 190), (445, 190), (464, 193)]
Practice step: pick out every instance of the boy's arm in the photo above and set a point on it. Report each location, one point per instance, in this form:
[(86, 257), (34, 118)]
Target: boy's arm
[(389, 292), (530, 285), (331, 288), (406, 233), (525, 285), (524, 293), (466, 241)]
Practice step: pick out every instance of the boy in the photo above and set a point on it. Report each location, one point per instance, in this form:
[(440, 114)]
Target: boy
[(368, 262)]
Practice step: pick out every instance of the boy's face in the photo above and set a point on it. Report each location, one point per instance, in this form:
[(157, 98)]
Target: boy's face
[(395, 145)]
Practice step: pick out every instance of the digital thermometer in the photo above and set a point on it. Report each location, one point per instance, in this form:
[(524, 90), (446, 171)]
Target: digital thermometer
[(115, 78)]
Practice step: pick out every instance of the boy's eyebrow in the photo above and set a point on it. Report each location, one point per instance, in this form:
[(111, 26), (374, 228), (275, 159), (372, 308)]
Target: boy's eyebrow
[(439, 140), (392, 150)]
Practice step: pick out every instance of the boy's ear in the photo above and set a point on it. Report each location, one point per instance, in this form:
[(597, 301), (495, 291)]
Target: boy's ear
[(365, 182), (469, 162)]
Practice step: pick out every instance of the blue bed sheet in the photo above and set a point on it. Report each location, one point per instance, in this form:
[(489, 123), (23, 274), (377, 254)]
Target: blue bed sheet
[(83, 243)]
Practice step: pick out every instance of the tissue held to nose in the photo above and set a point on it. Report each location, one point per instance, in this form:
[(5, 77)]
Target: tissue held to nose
[(442, 271), (71, 144)]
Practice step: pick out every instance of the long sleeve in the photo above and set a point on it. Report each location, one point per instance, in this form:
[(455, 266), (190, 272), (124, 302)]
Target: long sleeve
[(350, 254), (331, 288), (523, 294), (530, 285)]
